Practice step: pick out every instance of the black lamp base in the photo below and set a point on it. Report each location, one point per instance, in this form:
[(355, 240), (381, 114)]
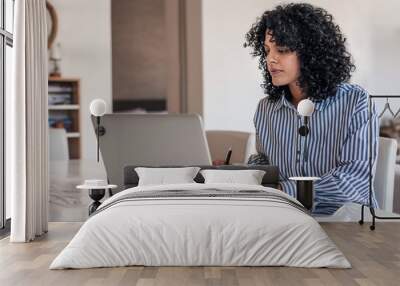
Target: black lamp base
[(96, 195), (101, 130), (305, 193)]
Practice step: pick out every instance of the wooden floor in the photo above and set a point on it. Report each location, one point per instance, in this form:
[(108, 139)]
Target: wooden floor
[(375, 257)]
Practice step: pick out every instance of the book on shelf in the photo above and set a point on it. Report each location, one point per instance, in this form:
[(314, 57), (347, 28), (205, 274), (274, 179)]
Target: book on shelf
[(64, 111), (60, 120), (59, 88), (60, 98)]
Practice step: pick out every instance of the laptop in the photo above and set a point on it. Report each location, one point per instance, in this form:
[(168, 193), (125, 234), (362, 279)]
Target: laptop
[(151, 140)]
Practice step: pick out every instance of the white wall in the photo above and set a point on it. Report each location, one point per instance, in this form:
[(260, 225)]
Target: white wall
[(232, 78), (85, 37)]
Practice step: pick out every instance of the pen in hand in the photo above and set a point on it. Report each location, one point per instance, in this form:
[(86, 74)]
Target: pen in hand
[(228, 156)]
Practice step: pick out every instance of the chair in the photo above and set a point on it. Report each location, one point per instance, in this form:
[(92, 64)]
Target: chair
[(58, 144), (219, 142), (385, 173)]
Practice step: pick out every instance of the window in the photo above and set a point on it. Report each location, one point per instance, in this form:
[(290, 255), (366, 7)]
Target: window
[(6, 62)]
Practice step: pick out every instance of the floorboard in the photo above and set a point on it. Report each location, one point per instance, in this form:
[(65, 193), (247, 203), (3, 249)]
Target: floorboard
[(374, 255)]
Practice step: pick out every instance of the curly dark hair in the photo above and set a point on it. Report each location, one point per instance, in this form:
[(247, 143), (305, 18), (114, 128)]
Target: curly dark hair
[(318, 42)]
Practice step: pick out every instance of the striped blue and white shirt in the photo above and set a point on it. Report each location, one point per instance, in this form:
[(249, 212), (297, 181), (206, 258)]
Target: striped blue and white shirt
[(338, 146)]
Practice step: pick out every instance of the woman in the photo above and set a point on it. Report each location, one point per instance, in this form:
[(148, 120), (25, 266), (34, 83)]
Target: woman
[(302, 55)]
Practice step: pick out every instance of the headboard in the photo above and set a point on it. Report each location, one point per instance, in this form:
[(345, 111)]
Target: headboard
[(270, 179)]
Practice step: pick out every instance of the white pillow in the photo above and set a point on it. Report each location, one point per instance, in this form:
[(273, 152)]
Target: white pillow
[(248, 177), (164, 176)]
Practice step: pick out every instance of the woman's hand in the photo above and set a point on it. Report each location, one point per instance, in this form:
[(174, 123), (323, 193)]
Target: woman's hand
[(218, 162)]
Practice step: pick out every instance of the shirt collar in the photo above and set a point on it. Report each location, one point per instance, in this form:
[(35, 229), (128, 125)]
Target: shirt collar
[(283, 101)]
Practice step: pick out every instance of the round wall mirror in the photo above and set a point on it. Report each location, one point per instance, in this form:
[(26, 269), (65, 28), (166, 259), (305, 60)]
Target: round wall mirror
[(52, 24)]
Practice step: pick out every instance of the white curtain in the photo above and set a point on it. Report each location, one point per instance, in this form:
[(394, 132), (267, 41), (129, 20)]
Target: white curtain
[(26, 124)]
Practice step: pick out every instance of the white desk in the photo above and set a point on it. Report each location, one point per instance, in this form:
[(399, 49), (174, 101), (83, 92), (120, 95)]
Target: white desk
[(352, 213), (69, 204), (66, 202)]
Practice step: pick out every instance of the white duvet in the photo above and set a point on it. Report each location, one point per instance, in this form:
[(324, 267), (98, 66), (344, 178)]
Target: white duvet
[(207, 231)]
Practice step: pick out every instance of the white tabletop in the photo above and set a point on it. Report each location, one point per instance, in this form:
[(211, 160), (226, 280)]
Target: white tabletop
[(88, 187), (304, 178)]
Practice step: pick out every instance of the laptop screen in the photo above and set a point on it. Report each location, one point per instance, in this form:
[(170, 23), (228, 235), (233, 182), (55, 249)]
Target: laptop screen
[(151, 140)]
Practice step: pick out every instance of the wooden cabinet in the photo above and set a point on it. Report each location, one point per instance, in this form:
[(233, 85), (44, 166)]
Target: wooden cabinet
[(64, 107)]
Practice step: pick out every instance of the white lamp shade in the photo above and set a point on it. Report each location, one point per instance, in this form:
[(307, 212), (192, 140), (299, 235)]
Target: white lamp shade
[(305, 107), (98, 107), (55, 52)]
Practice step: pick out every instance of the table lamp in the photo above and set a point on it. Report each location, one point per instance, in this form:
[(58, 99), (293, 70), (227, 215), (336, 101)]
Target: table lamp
[(305, 108), (55, 57), (98, 109), (305, 185)]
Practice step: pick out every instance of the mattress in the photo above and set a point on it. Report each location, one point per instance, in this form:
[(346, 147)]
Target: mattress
[(201, 225)]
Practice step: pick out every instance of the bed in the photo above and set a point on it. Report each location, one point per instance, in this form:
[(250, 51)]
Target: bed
[(201, 224)]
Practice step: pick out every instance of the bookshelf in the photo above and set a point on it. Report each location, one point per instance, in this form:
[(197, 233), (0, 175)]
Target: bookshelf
[(64, 107)]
